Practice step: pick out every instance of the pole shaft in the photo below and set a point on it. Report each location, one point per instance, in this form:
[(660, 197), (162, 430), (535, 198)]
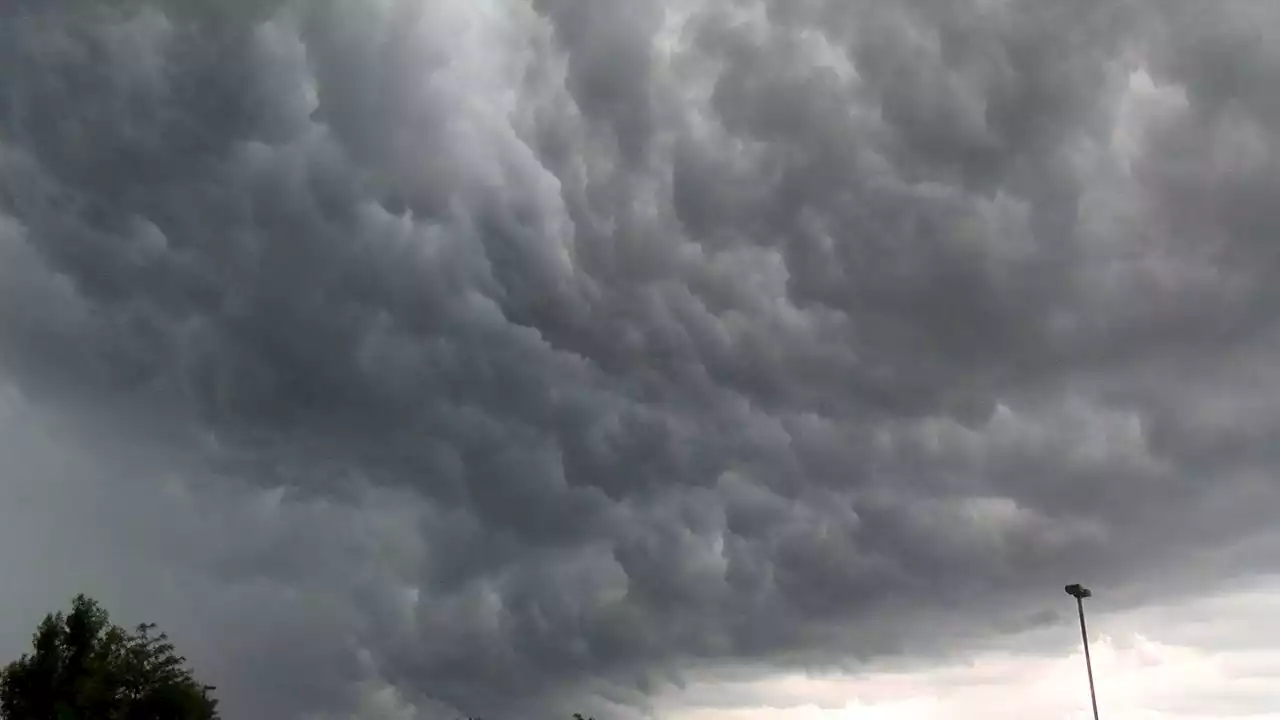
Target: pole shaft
[(1088, 661)]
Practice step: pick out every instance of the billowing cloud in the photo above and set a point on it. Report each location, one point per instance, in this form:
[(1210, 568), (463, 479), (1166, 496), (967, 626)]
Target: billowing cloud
[(414, 357)]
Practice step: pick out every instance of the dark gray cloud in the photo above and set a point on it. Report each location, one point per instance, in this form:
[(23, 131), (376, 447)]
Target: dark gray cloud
[(513, 357)]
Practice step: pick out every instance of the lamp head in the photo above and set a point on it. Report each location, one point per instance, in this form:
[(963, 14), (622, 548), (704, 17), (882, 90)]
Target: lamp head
[(1078, 591)]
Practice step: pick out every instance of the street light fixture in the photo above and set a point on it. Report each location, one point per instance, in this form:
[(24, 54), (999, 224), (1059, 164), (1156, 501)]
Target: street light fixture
[(1080, 592)]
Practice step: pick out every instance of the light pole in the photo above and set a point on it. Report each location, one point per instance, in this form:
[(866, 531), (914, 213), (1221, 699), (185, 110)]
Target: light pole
[(1080, 592)]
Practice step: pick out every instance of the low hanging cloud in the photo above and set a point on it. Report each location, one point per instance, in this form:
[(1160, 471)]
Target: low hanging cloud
[(414, 357)]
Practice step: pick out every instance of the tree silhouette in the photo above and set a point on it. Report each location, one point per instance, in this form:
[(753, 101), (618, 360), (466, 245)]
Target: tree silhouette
[(84, 668)]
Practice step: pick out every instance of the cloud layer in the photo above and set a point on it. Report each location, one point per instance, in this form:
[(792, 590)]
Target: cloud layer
[(1209, 660), (509, 357)]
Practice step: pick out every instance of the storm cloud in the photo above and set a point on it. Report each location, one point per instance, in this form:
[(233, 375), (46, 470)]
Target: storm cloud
[(413, 357)]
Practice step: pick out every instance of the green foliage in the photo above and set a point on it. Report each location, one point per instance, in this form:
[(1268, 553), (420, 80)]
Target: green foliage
[(84, 668)]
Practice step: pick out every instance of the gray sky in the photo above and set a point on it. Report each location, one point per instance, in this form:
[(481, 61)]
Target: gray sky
[(409, 358)]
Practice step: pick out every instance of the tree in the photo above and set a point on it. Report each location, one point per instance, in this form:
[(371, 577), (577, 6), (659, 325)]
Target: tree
[(84, 668)]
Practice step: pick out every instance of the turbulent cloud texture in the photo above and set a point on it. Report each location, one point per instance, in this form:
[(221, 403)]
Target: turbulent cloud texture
[(505, 357)]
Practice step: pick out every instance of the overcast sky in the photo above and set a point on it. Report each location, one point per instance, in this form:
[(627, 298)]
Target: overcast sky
[(710, 360)]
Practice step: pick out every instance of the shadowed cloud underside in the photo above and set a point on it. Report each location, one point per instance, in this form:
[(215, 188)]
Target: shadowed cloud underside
[(520, 357)]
